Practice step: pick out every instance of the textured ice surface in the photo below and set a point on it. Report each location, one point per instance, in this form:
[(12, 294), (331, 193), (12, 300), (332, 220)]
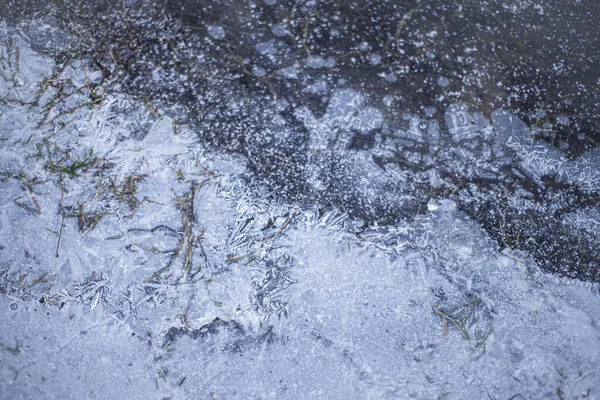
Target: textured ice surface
[(176, 278)]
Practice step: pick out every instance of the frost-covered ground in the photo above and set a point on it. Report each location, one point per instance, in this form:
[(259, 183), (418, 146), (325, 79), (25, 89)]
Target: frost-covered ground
[(137, 263)]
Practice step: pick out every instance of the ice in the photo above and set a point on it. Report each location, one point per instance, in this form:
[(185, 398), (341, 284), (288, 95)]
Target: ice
[(584, 171), (510, 130), (319, 86), (542, 161), (390, 77), (315, 62), (279, 31), (374, 58), (93, 350), (266, 48), (460, 123), (388, 100), (217, 32), (354, 315), (442, 81), (346, 111), (289, 72), (25, 66), (259, 71), (158, 268), (433, 134)]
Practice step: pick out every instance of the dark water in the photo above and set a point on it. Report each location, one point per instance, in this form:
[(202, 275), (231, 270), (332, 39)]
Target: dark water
[(244, 73)]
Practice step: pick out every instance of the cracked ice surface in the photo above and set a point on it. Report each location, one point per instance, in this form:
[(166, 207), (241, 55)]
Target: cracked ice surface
[(260, 299)]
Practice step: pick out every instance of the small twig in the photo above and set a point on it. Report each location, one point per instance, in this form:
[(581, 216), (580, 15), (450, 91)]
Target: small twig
[(152, 230), (560, 372), (62, 222), (461, 325), (38, 280), (30, 210), (238, 258), (515, 378), (153, 250), (481, 345), (112, 56), (280, 231), (209, 172), (441, 314), (402, 24), (304, 36), (13, 350)]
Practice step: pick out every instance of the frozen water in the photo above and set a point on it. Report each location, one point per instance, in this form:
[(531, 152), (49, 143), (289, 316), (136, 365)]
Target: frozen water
[(259, 71), (135, 262), (315, 62), (279, 31), (443, 81), (217, 32), (374, 58), (266, 48), (460, 123)]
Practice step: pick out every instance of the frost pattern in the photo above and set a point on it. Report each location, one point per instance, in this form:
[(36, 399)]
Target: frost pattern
[(176, 278)]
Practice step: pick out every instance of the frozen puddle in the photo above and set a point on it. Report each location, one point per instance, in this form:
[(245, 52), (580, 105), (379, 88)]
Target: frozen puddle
[(136, 264)]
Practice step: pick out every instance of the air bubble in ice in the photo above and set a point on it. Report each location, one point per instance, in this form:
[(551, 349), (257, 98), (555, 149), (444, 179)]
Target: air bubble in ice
[(266, 47), (279, 31), (388, 100), (443, 81), (315, 62), (374, 58), (216, 32), (259, 71)]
